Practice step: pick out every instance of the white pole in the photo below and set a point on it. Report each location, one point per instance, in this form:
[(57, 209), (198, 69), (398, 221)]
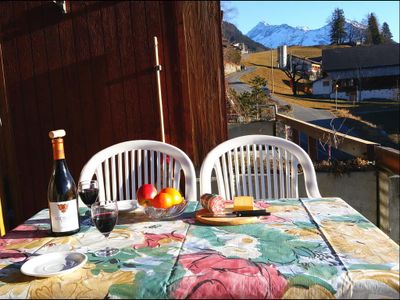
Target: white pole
[(272, 71), (336, 86), (158, 70)]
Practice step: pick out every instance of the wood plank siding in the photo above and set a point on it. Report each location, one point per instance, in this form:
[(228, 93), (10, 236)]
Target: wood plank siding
[(91, 71)]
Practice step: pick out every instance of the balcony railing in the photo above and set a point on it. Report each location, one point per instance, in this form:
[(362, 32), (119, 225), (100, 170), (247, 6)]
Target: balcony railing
[(384, 157), (387, 165)]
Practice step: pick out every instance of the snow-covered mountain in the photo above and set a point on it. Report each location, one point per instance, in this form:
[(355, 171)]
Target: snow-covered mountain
[(273, 36)]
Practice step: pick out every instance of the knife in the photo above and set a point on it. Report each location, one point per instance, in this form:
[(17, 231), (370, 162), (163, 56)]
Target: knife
[(239, 213)]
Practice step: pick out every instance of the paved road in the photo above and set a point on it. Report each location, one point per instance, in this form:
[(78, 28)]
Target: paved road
[(306, 114), (299, 112), (323, 118), (235, 83)]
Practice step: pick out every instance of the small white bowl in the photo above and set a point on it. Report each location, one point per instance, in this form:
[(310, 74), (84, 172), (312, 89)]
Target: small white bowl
[(126, 205)]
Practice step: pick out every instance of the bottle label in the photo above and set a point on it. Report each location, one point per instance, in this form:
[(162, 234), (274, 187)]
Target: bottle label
[(63, 216)]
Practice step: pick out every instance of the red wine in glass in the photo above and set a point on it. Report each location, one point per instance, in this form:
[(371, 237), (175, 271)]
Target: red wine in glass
[(105, 216), (89, 195), (105, 222), (88, 191)]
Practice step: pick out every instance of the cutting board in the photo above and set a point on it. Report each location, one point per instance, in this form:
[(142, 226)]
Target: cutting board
[(223, 221)]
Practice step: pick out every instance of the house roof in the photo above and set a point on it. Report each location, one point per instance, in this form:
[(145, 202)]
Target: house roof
[(360, 57), (313, 60), (317, 59)]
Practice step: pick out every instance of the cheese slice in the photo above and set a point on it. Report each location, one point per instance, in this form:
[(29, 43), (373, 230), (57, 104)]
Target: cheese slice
[(243, 203)]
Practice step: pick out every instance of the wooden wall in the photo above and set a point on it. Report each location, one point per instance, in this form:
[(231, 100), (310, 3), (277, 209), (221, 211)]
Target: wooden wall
[(91, 72)]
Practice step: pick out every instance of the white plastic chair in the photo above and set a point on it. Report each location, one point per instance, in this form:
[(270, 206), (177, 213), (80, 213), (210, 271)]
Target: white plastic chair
[(122, 168), (241, 168)]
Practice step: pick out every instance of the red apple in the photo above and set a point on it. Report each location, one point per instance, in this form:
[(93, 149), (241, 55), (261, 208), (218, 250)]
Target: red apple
[(146, 193)]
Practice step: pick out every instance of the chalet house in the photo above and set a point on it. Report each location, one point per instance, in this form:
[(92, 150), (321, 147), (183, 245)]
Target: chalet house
[(242, 47), (323, 87), (309, 67), (360, 73), (229, 66)]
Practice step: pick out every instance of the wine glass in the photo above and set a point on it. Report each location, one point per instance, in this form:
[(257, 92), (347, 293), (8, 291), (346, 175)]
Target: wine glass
[(88, 191), (105, 216)]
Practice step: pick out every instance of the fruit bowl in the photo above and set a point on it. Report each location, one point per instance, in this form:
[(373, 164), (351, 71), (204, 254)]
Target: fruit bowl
[(165, 213)]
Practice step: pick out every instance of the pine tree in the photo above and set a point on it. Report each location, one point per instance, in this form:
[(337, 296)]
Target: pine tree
[(373, 34), (338, 33), (386, 34)]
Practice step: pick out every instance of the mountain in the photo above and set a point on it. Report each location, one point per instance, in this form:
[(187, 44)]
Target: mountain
[(273, 36), (234, 35)]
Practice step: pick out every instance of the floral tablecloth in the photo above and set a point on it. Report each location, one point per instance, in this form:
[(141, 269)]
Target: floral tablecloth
[(307, 248)]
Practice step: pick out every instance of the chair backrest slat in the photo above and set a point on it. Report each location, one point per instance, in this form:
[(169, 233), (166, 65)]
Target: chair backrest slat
[(243, 170), (220, 180), (275, 170), (225, 176), (256, 172), (287, 173), (231, 174), (152, 180), (268, 162), (249, 174), (120, 182), (139, 167), (133, 173), (158, 164), (146, 167), (237, 177), (164, 170), (295, 178), (126, 173), (281, 174), (177, 174), (262, 167), (113, 179), (170, 175), (100, 180), (107, 178), (262, 173)]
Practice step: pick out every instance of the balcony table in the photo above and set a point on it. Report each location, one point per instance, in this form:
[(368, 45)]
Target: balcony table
[(307, 248)]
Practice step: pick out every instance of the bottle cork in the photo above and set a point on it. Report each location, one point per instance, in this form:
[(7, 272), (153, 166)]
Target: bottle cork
[(57, 133)]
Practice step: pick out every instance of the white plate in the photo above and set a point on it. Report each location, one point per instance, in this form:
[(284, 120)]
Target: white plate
[(52, 264), (126, 205)]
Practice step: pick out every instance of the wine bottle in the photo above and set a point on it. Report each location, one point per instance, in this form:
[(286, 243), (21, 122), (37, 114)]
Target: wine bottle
[(62, 193)]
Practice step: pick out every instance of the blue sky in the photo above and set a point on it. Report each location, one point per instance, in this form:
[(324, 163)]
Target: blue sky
[(313, 14)]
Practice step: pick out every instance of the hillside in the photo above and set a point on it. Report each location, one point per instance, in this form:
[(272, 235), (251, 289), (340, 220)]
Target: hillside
[(234, 35), (262, 60)]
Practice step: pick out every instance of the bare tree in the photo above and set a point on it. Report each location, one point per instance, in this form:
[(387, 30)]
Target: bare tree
[(333, 140), (296, 70), (230, 12)]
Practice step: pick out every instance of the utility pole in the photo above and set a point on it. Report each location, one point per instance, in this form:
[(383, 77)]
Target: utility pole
[(272, 71), (336, 86)]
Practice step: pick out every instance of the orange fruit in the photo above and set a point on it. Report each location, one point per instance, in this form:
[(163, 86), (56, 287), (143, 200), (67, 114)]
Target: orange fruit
[(176, 195), (162, 200)]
